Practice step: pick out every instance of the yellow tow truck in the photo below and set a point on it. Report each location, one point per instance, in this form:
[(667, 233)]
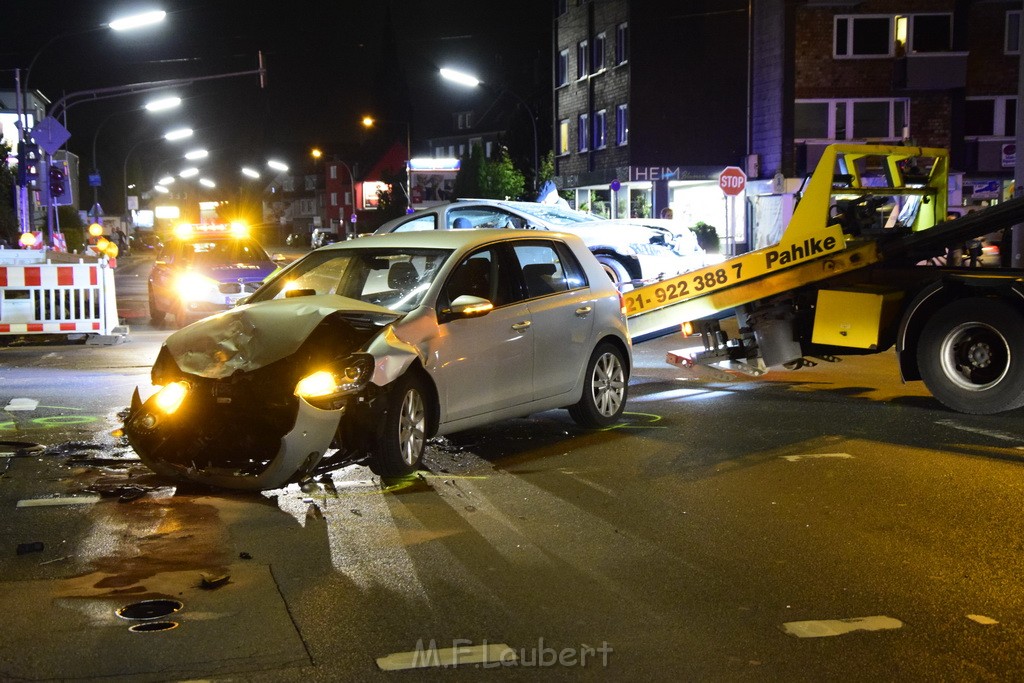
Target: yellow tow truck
[(863, 266)]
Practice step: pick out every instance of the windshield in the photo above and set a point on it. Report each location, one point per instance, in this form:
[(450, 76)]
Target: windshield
[(554, 214), (219, 252), (395, 278)]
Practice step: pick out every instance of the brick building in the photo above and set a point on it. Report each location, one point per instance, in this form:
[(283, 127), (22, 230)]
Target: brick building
[(660, 96)]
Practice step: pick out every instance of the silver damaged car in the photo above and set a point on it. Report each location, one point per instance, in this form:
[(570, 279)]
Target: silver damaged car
[(363, 350)]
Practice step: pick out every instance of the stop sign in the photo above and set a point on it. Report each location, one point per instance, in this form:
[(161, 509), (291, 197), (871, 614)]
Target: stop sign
[(732, 180)]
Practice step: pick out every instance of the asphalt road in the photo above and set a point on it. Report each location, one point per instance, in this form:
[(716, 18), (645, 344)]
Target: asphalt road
[(828, 523)]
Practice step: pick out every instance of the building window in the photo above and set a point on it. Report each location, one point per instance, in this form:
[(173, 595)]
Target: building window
[(333, 172), (621, 43), (465, 120), (562, 69), (562, 7), (462, 150), (489, 149), (334, 199), (924, 33), (583, 133), (622, 124), (563, 136), (863, 36), (438, 152), (1011, 43), (582, 59), (600, 139), (598, 52), (990, 117), (850, 119)]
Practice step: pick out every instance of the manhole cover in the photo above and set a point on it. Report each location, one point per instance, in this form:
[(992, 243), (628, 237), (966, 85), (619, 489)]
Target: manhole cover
[(149, 609), (153, 626)]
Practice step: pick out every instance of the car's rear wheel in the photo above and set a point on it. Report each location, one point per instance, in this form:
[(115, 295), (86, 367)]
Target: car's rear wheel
[(615, 271), (402, 436), (605, 386)]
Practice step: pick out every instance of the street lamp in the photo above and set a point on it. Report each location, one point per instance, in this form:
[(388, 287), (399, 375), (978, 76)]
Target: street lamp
[(470, 81), (368, 122), (152, 106)]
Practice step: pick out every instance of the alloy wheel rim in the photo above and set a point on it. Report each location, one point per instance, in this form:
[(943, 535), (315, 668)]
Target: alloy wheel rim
[(609, 384), (411, 427)]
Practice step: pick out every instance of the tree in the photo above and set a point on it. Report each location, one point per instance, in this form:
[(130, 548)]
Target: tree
[(489, 179), (8, 214)]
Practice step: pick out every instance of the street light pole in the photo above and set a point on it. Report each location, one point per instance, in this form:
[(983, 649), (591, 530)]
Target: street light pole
[(470, 81), (368, 122)]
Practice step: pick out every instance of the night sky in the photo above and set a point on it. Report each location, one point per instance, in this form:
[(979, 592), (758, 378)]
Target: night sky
[(328, 64)]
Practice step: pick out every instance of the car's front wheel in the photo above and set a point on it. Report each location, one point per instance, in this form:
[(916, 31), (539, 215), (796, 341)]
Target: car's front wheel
[(402, 436), (605, 386), (614, 269), (156, 316)]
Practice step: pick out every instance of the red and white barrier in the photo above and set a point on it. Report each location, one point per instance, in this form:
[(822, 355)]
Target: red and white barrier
[(57, 298)]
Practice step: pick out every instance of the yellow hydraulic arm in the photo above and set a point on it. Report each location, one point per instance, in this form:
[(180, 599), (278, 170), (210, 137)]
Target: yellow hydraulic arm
[(811, 248)]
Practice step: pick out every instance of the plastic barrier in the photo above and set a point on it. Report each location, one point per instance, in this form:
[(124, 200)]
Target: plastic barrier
[(44, 297)]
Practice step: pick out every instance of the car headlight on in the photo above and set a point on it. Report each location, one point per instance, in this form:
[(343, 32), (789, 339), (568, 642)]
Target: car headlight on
[(191, 286), (325, 388), (170, 397)]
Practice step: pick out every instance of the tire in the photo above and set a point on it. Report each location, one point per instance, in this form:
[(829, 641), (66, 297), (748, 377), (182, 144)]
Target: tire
[(971, 356), (615, 271), (156, 316), (605, 387), (402, 437)]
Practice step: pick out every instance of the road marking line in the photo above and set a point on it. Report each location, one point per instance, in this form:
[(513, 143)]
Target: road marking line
[(982, 619), (67, 500), (995, 434), (428, 657), (26, 404), (838, 627), (813, 456)]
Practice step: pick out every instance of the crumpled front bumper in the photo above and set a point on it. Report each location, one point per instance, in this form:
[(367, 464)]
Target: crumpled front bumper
[(300, 449)]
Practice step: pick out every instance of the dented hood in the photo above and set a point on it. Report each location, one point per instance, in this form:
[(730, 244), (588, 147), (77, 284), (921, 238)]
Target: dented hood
[(255, 335)]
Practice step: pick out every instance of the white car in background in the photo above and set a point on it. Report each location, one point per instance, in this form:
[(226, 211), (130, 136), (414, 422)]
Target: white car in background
[(631, 251)]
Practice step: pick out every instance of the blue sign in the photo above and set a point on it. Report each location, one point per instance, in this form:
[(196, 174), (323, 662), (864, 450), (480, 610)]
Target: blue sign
[(94, 180)]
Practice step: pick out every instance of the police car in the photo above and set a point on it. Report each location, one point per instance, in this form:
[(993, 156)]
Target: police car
[(205, 269)]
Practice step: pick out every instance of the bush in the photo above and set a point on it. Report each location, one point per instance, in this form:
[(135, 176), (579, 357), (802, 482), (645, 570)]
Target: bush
[(707, 237)]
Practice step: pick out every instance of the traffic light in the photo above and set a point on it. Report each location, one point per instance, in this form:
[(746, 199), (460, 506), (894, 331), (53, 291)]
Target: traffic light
[(60, 184), (28, 163)]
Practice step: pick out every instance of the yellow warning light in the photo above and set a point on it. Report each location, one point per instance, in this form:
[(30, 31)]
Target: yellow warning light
[(95, 230), (687, 329), (27, 240)]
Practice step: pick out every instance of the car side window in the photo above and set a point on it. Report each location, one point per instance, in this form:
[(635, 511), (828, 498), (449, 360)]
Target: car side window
[(483, 217), (166, 254), (541, 268), (482, 274), (428, 222)]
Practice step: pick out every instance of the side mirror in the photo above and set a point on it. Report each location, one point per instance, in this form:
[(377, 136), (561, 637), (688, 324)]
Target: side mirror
[(467, 306)]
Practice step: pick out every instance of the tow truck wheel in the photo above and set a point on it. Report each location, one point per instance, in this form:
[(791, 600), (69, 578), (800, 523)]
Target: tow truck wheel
[(604, 389), (403, 435), (971, 356)]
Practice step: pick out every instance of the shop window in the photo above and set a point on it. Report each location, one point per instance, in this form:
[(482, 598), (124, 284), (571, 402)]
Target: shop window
[(582, 59), (563, 136), (562, 69), (622, 124), (1011, 42), (583, 133), (600, 121), (598, 52), (863, 36), (621, 43)]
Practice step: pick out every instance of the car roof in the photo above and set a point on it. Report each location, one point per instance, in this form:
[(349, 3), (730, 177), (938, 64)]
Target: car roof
[(447, 239)]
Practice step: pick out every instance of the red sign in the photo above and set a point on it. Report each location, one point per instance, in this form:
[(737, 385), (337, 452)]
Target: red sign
[(732, 180)]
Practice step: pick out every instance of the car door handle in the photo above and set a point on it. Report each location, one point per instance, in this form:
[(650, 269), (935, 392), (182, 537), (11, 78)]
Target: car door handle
[(521, 326), (584, 310)]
